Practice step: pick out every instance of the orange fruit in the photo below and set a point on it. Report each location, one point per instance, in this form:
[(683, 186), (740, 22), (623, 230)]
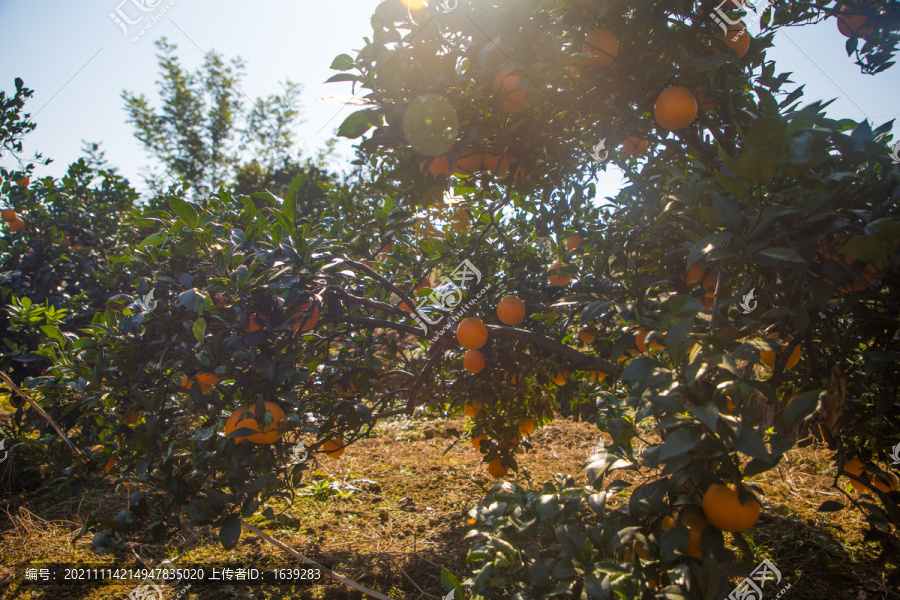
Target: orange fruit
[(737, 38), (257, 322), (554, 276), (729, 403), (17, 225), (639, 341), (510, 310), (635, 145), (473, 408), (496, 468), (588, 335), (723, 509), (695, 273), (704, 102), (853, 25), (110, 463), (856, 467), (596, 375), (471, 333), (439, 165), (572, 241), (334, 447), (206, 380), (310, 319), (476, 441), (513, 98), (17, 401), (887, 483), (243, 418), (405, 307), (642, 553), (473, 361), (133, 417), (561, 377), (469, 162), (603, 44), (499, 162), (23, 182), (8, 214), (526, 426), (768, 357), (675, 108), (695, 525), (709, 282)]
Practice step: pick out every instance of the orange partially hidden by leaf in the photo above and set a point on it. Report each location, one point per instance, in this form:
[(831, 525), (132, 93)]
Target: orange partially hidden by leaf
[(206, 381), (243, 418), (555, 278), (334, 447), (695, 273), (23, 182), (597, 375), (572, 241), (635, 145), (471, 333), (513, 97), (768, 357), (473, 408), (17, 225), (887, 483), (510, 310), (603, 44), (496, 468), (526, 426), (723, 509), (469, 162), (737, 38), (476, 441), (257, 322), (311, 318), (675, 108), (561, 377), (587, 335), (853, 25), (109, 463), (17, 401), (854, 466), (473, 361), (439, 165)]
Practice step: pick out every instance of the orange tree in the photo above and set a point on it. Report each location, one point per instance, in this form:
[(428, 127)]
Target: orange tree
[(258, 307)]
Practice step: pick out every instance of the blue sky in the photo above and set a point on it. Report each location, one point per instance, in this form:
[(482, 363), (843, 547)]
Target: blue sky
[(78, 61)]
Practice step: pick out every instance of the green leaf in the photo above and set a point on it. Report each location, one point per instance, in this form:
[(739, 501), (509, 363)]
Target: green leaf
[(732, 185), (451, 582), (199, 329), (750, 444), (54, 333), (230, 533), (831, 506), (679, 442), (154, 239), (709, 63), (729, 211), (800, 407), (342, 62), (681, 304), (185, 211), (356, 124), (193, 300), (866, 247), (783, 254)]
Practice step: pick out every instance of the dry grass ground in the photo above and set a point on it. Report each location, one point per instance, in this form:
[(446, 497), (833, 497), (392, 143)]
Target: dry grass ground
[(403, 519)]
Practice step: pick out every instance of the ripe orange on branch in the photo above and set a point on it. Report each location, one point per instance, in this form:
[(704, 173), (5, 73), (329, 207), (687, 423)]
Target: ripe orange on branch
[(554, 276), (526, 426), (334, 447), (308, 319), (496, 468), (561, 377), (8, 214), (110, 463), (675, 108), (511, 310), (473, 408), (17, 225), (886, 483), (588, 335), (573, 241), (723, 508), (603, 44), (512, 96), (768, 357), (852, 24), (243, 417), (737, 38), (473, 361), (635, 145), (206, 381), (471, 333)]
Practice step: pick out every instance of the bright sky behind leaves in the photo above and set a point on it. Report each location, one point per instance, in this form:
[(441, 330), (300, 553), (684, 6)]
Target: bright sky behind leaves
[(78, 61)]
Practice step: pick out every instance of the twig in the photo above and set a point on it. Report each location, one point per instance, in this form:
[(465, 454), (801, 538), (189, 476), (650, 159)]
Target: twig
[(40, 411), (309, 561)]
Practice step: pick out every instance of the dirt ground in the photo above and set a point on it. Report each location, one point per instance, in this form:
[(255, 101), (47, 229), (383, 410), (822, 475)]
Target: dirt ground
[(390, 513)]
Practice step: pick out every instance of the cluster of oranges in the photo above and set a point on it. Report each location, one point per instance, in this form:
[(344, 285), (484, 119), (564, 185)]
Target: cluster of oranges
[(16, 224), (496, 467), (885, 483)]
